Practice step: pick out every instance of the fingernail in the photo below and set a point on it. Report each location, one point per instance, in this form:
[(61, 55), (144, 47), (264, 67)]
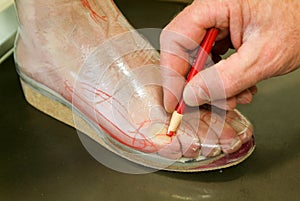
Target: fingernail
[(235, 144), (232, 147), (244, 99), (216, 151), (194, 96)]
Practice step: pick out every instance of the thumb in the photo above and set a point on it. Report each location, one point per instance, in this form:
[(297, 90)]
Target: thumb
[(225, 79)]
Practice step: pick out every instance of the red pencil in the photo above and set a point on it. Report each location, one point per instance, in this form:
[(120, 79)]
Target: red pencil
[(203, 52)]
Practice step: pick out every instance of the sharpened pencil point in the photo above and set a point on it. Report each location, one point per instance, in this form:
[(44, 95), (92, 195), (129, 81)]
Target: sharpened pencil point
[(174, 123), (171, 133)]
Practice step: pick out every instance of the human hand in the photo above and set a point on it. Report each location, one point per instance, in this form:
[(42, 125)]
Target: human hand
[(266, 35)]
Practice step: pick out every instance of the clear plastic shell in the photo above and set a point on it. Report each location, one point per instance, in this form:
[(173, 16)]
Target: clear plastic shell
[(85, 55)]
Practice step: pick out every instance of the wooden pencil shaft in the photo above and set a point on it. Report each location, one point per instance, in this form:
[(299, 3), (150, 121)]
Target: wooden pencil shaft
[(202, 55)]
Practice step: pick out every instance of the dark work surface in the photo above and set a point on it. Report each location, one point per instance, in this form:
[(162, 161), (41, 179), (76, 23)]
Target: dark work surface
[(43, 159)]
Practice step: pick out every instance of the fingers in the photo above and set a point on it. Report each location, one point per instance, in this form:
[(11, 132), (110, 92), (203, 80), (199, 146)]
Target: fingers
[(226, 79), (182, 36), (253, 90), (260, 51), (245, 97), (173, 82)]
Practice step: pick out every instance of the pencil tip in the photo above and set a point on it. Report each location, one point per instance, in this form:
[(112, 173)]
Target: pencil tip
[(170, 133)]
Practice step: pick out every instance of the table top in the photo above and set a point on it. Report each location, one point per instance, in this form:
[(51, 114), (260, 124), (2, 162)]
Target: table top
[(43, 159)]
